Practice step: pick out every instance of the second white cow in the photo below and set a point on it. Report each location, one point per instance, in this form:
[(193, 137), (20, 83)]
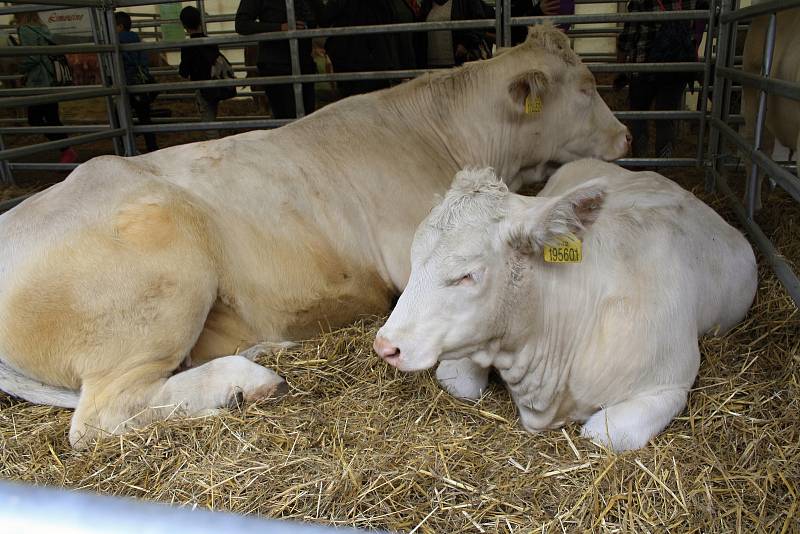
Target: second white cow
[(610, 340), (783, 114)]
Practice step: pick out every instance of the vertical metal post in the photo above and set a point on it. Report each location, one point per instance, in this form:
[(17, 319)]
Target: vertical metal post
[(118, 79), (99, 36), (6, 175), (498, 24), (730, 61), (718, 100), (701, 134), (766, 68), (294, 53), (201, 7), (506, 22)]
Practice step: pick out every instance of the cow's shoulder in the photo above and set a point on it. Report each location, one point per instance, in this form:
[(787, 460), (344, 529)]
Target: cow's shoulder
[(580, 171)]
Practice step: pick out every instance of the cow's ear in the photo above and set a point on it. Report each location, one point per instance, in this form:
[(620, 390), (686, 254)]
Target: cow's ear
[(531, 84), (548, 220)]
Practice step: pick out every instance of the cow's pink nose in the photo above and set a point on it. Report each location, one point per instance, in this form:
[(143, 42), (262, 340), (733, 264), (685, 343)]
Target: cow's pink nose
[(385, 349)]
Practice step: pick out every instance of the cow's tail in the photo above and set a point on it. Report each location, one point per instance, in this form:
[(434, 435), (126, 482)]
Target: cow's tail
[(15, 383)]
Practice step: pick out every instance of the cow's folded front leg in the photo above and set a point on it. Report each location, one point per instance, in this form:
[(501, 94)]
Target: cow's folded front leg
[(463, 378), (266, 347), (631, 424), (222, 382), (136, 399)]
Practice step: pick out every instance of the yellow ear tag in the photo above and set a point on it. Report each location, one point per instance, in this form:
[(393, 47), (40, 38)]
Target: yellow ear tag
[(533, 105), (568, 250)]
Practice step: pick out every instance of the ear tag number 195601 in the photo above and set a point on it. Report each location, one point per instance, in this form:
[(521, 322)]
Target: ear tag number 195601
[(568, 250)]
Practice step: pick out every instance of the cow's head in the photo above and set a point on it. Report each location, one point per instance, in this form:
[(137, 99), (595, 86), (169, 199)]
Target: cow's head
[(546, 101), (474, 262)]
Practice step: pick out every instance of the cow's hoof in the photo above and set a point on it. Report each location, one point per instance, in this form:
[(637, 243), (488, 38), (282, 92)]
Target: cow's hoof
[(272, 391), (236, 400), (266, 348), (462, 379)]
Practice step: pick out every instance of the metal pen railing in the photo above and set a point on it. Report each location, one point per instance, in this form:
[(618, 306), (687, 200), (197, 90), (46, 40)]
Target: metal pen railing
[(297, 79), (729, 19), (721, 18)]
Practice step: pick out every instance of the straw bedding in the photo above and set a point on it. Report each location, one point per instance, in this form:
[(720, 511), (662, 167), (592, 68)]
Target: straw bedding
[(358, 443)]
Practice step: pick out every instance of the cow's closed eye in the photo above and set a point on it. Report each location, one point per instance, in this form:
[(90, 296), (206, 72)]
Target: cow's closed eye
[(468, 279)]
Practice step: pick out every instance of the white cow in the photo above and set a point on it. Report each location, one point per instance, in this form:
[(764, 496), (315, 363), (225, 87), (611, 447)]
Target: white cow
[(113, 279), (611, 340), (783, 114)]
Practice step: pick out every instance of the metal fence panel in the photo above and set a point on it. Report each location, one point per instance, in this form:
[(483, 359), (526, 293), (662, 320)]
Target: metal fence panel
[(721, 130), (722, 19)]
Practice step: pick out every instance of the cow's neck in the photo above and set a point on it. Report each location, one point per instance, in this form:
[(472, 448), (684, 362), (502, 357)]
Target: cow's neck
[(454, 118), (547, 334)]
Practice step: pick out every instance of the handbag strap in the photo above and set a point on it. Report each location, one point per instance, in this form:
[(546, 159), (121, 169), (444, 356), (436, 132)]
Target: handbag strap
[(49, 40)]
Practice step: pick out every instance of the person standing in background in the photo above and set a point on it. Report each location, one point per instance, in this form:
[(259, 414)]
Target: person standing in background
[(373, 52), (445, 48), (39, 71), (260, 16), (196, 63), (541, 8), (656, 42), (137, 72)]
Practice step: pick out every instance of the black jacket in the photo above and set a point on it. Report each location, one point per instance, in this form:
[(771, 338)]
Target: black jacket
[(196, 61), (258, 16), (462, 10), (369, 52)]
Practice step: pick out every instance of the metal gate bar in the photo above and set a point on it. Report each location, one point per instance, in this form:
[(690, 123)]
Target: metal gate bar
[(722, 18), (761, 162)]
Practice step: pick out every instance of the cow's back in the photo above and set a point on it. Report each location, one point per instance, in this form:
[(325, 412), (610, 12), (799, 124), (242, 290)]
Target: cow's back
[(664, 239), (51, 217)]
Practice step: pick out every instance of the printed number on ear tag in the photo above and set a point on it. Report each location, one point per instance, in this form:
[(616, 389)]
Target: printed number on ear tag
[(568, 250), (533, 105)]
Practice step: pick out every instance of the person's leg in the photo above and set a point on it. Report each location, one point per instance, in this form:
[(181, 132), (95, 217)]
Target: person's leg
[(36, 115), (51, 118), (47, 115), (208, 113), (362, 87), (281, 101), (640, 96), (309, 98), (144, 118), (668, 98)]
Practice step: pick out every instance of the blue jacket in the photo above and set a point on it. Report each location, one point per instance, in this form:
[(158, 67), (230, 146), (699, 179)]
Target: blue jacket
[(134, 59)]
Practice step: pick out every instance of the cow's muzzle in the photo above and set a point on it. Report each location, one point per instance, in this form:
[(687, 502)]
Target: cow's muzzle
[(386, 350)]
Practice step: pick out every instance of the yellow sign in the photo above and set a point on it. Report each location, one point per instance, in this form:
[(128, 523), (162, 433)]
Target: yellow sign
[(533, 105), (568, 250)]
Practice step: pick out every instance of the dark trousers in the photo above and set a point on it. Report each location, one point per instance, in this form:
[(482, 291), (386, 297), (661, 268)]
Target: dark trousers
[(141, 108), (46, 115), (281, 100), (281, 97), (358, 87), (659, 92)]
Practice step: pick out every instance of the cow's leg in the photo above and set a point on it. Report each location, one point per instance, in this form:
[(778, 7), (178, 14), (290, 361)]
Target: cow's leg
[(463, 378), (141, 397), (225, 332), (631, 424), (266, 347)]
